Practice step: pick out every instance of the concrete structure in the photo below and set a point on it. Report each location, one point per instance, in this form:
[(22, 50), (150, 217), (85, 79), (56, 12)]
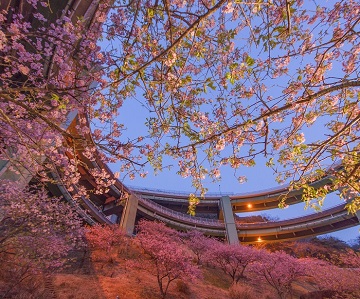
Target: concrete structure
[(229, 220), (117, 206), (128, 217), (74, 9), (171, 208), (214, 214)]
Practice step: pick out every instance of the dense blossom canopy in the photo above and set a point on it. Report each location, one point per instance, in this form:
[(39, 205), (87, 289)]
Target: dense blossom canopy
[(223, 82), (227, 81), (163, 254)]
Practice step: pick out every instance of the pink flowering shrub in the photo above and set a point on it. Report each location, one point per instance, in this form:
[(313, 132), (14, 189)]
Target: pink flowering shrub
[(36, 234), (164, 256)]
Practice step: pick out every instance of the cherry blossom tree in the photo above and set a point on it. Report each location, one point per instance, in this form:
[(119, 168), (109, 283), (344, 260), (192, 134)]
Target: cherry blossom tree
[(47, 60), (164, 257), (199, 244), (279, 270), (105, 236), (36, 234), (350, 258), (225, 82), (233, 259), (49, 65), (330, 277), (325, 248)]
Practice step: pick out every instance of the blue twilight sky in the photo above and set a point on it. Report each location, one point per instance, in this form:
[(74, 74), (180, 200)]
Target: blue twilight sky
[(133, 115), (259, 177)]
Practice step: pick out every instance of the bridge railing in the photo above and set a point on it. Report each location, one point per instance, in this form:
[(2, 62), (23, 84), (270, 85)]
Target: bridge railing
[(178, 215), (212, 231), (315, 222), (138, 189), (312, 219), (272, 190), (176, 200), (316, 217)]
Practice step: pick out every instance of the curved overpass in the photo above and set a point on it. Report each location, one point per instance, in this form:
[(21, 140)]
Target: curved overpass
[(323, 222), (113, 207), (117, 202), (245, 202)]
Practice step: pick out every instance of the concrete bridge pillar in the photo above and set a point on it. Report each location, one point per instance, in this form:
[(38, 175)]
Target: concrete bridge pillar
[(127, 222), (230, 226)]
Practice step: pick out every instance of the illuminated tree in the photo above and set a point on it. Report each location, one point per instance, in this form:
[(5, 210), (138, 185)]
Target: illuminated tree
[(350, 258), (163, 256), (330, 277), (325, 248), (223, 83), (279, 270), (36, 235), (105, 237), (233, 259), (227, 81), (199, 244)]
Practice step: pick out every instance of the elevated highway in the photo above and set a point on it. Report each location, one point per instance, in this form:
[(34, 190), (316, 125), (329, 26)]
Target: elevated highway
[(245, 202), (126, 206)]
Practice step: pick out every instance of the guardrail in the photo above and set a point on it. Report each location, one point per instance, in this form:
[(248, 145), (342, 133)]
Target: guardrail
[(92, 207), (174, 192), (272, 190), (298, 220), (317, 222), (286, 224), (217, 232), (177, 215), (171, 199)]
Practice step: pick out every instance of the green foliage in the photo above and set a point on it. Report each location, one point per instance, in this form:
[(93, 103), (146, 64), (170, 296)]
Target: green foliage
[(193, 202), (310, 193), (354, 205)]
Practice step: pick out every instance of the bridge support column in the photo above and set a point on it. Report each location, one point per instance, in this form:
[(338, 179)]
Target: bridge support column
[(231, 232), (127, 222)]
